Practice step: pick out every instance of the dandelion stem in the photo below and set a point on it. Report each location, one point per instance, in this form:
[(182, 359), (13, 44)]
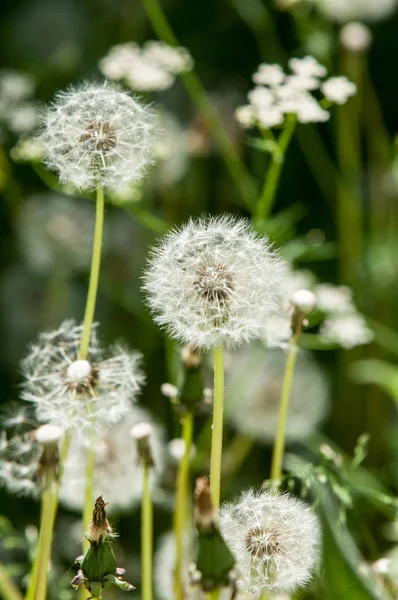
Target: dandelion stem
[(147, 536), (192, 83), (216, 438), (8, 589), (181, 503), (274, 171), (94, 275), (43, 550), (89, 491), (279, 444)]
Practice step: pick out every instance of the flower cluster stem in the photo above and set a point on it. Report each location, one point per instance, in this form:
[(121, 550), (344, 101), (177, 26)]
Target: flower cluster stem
[(147, 535), (191, 81), (273, 174), (217, 432), (94, 275), (180, 523), (279, 444)]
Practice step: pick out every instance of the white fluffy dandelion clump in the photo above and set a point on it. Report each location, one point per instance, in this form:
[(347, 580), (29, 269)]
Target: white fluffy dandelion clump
[(254, 378), (277, 94), (214, 281), (275, 540), (117, 474), (347, 330), (79, 394), (97, 135), (19, 112), (343, 11)]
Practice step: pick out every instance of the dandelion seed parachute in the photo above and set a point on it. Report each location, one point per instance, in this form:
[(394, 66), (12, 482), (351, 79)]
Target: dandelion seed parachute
[(214, 281), (275, 540)]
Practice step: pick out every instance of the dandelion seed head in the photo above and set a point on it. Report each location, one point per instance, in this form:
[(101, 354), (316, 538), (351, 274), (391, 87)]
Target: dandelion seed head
[(347, 330), (97, 135), (79, 394), (213, 281), (254, 378), (275, 540), (338, 89)]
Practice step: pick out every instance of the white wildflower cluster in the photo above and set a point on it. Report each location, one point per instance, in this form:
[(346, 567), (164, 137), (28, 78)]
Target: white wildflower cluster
[(344, 11), (19, 113), (79, 394), (150, 68), (97, 135), (275, 540), (171, 149), (278, 94), (254, 379), (55, 233), (214, 281), (117, 474)]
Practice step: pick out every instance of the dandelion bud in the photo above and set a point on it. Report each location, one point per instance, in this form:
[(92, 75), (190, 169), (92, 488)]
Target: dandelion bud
[(356, 37), (48, 435), (177, 449), (190, 357), (142, 433), (304, 301), (169, 390), (205, 516)]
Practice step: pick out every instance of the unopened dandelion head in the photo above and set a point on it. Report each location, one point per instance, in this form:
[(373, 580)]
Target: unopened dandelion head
[(275, 540), (254, 378), (97, 135), (117, 474), (214, 281), (79, 394)]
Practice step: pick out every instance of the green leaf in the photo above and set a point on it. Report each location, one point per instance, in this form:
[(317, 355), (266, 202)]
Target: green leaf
[(379, 372)]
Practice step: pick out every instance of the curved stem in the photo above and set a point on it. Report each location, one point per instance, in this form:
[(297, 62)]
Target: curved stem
[(217, 432), (273, 174), (181, 504), (279, 444), (94, 276), (191, 81), (147, 536)]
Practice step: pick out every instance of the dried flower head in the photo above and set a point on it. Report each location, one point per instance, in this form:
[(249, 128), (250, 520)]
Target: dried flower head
[(214, 281), (97, 135), (254, 378), (117, 473), (79, 394), (275, 540)]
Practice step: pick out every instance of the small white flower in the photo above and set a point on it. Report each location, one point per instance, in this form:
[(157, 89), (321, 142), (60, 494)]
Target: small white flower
[(304, 301), (27, 149), (245, 116), (261, 97), (269, 75), (173, 59), (275, 540), (334, 299), (254, 378), (15, 86), (117, 474), (348, 330), (97, 135), (309, 111), (303, 82), (78, 394), (338, 89), (307, 67), (214, 281), (270, 117), (356, 36)]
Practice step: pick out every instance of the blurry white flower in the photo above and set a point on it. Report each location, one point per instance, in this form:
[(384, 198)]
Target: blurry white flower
[(151, 68), (214, 281), (278, 330), (309, 111), (170, 149), (338, 89), (254, 378), (275, 540), (334, 299), (356, 10), (96, 135), (302, 82), (27, 149), (18, 112), (356, 36), (55, 233), (347, 330), (270, 117), (16, 86), (245, 116), (165, 562), (269, 75), (307, 67), (117, 474), (304, 301), (79, 394)]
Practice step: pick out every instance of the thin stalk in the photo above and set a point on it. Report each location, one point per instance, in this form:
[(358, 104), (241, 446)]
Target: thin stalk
[(147, 536), (94, 275), (180, 522), (279, 444), (8, 589), (88, 492), (191, 81), (217, 431), (274, 171), (45, 538)]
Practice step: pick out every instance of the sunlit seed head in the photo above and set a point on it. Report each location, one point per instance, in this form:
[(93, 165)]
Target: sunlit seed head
[(214, 283)]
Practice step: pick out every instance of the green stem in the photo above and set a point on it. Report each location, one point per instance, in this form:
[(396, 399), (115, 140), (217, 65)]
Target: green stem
[(180, 523), (273, 174), (147, 536), (94, 276), (45, 538), (216, 438), (88, 491), (191, 81), (8, 589), (279, 444)]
